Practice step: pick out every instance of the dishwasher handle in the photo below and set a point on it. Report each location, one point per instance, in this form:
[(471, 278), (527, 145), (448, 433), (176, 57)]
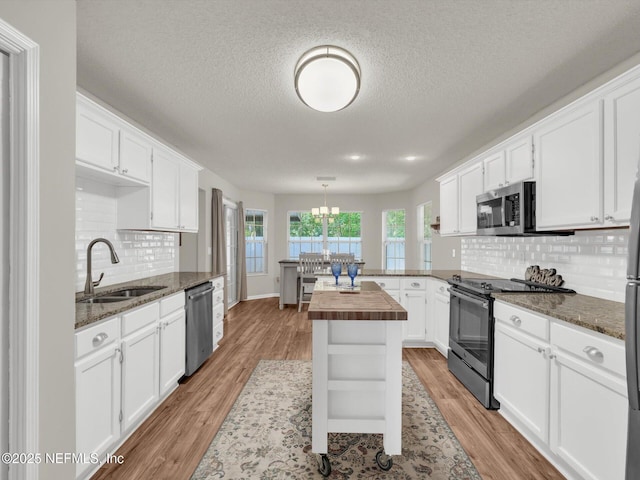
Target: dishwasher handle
[(204, 292)]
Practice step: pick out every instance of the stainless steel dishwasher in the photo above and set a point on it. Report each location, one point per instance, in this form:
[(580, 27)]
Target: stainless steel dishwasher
[(199, 336)]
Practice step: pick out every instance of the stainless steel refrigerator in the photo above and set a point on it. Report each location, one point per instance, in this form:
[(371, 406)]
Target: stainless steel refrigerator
[(632, 336)]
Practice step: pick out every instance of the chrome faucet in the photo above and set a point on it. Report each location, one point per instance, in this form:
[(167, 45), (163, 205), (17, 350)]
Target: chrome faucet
[(89, 284)]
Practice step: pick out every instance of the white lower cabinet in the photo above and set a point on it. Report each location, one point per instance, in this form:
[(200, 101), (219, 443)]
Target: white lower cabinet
[(97, 373), (413, 298), (124, 367), (218, 310), (440, 313), (564, 388)]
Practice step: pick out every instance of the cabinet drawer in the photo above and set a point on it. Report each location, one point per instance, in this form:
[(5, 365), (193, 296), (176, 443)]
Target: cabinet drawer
[(386, 283), (218, 283), (218, 332), (96, 337), (592, 347), (522, 320), (136, 319), (217, 297), (172, 303), (414, 283), (218, 314)]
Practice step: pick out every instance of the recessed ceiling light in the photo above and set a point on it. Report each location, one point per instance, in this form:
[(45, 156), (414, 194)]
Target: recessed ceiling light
[(355, 157), (411, 158)]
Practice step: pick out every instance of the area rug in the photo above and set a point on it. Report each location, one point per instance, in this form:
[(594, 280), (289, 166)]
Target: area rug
[(267, 435)]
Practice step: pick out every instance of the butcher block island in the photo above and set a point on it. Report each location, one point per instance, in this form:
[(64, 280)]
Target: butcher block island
[(357, 367)]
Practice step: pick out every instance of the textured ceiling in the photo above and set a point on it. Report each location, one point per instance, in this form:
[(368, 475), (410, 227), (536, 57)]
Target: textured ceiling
[(439, 79)]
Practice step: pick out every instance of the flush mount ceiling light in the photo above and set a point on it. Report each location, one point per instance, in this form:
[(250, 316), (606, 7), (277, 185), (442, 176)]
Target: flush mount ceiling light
[(327, 78)]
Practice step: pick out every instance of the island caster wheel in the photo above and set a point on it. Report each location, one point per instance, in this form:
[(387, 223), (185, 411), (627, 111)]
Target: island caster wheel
[(324, 466), (384, 462)]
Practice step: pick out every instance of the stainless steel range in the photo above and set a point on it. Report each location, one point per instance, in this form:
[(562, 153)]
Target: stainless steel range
[(471, 326)]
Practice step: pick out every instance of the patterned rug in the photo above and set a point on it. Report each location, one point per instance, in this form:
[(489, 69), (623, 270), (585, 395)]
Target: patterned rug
[(267, 435)]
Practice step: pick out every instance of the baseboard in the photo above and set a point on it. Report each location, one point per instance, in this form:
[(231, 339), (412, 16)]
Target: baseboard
[(266, 295)]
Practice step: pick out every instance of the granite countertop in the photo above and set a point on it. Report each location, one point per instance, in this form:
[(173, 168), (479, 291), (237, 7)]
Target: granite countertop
[(604, 316), (88, 313), (369, 302)]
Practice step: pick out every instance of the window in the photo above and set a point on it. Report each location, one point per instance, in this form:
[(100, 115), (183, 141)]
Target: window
[(255, 234), (344, 234), (393, 224), (305, 234), (424, 235), (340, 234)]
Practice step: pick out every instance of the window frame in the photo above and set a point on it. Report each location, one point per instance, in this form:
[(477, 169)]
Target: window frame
[(264, 242), (387, 241), (422, 240), (289, 241)]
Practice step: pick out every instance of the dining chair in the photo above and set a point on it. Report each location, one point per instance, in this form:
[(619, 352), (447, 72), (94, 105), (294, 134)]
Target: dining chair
[(310, 265), (342, 258)]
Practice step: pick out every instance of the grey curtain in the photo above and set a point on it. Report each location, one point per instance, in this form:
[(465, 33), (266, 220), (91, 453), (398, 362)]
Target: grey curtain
[(218, 238), (242, 264)]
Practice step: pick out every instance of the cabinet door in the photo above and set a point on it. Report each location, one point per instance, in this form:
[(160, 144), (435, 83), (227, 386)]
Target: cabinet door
[(139, 374), (441, 334), (521, 376), (188, 198), (569, 169), (622, 150), (519, 160), (164, 191), (172, 350), (470, 185), (494, 171), (135, 156), (97, 403), (449, 206), (96, 138), (588, 427), (415, 303)]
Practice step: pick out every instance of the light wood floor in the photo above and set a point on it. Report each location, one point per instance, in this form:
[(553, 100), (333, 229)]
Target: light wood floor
[(170, 443)]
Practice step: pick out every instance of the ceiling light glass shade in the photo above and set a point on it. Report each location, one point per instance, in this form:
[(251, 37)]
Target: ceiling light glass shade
[(315, 212), (327, 78), (335, 210)]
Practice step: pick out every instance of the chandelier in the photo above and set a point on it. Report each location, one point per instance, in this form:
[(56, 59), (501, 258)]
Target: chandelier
[(324, 211), (327, 78)]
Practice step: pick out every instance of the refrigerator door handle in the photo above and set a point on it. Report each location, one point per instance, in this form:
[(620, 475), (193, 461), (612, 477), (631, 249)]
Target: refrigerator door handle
[(631, 343), (633, 259)]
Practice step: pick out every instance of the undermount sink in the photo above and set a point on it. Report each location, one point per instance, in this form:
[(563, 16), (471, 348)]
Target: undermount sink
[(121, 295), (134, 291)]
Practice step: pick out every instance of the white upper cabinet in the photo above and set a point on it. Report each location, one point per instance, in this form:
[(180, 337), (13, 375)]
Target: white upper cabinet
[(568, 152), (97, 137), (449, 206), (512, 163), (188, 193), (622, 150), (108, 148), (494, 171), (135, 156), (458, 200), (165, 191), (470, 186)]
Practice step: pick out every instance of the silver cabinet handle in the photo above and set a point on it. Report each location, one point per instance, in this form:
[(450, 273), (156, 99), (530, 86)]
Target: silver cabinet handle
[(516, 320), (609, 217), (540, 350), (99, 339), (442, 289), (507, 182), (593, 353), (415, 284), (594, 219), (501, 185), (124, 171), (382, 284)]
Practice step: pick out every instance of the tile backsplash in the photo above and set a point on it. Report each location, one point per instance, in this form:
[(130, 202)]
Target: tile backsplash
[(591, 262), (142, 254)]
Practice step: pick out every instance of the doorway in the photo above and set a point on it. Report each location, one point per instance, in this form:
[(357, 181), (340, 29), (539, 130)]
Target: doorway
[(231, 220), (4, 254)]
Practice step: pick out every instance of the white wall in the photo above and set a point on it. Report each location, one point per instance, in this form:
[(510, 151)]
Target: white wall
[(141, 254), (53, 26)]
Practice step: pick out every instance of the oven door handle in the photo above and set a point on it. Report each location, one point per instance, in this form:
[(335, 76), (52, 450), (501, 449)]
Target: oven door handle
[(502, 211), (469, 298)]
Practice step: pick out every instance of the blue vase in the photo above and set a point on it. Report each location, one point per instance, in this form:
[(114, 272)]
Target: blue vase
[(336, 269), (352, 271)]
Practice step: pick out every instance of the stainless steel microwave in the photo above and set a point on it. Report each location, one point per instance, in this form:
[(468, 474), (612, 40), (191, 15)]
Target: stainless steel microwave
[(509, 210)]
